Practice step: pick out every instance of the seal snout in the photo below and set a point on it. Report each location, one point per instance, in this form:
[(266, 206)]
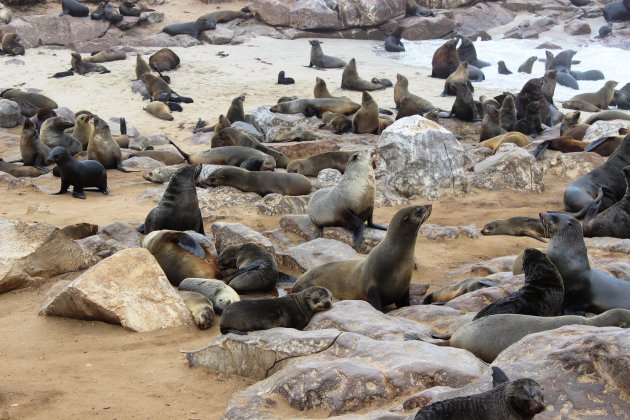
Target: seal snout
[(423, 212)]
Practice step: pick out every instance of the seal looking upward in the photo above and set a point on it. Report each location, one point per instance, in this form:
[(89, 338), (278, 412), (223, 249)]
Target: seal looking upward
[(103, 148), (318, 59), (350, 79), (384, 276)]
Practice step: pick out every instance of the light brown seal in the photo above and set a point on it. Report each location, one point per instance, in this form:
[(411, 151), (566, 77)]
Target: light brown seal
[(310, 107), (321, 90), (159, 110), (516, 226), (233, 137), (514, 137), (450, 292), (200, 307), (103, 148), (142, 67), (80, 230), (312, 165), (599, 99), (350, 79), (83, 129), (33, 151), (401, 90), (228, 155), (366, 120)]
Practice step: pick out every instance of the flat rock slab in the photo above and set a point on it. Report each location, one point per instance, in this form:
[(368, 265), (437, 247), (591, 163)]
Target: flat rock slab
[(129, 288), (301, 258)]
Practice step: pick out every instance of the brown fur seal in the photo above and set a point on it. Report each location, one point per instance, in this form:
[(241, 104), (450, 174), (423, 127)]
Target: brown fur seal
[(490, 124), (460, 75), (507, 113), (83, 130), (570, 119), (319, 59), (464, 105), (41, 116), (220, 294), (502, 68), (233, 137), (409, 107), (200, 307), (80, 230), (82, 67), (489, 336), (350, 79), (531, 92), (446, 293), (513, 137), (366, 121), (579, 106), (581, 193), (351, 202), (228, 155), (541, 295), (106, 56), (599, 99), (159, 110), (291, 311), (180, 256), (607, 116), (516, 226), (526, 67), (33, 151), (142, 67), (614, 221), (78, 173), (20, 171), (103, 148), (30, 100), (401, 90), (193, 29), (310, 107), (53, 134), (338, 123), (530, 124), (178, 209), (256, 269), (236, 112), (383, 277), (261, 183), (158, 88), (312, 165), (321, 90), (11, 45), (445, 59), (586, 289), (521, 399), (299, 134)]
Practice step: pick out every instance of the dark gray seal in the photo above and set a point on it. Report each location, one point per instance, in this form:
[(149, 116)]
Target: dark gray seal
[(256, 269), (78, 173), (503, 68), (319, 59), (587, 75), (467, 52), (515, 226), (291, 311), (193, 29), (74, 8), (526, 67), (585, 288), (614, 221), (393, 42)]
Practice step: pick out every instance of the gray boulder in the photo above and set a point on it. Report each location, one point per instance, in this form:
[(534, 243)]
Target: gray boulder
[(510, 167), (10, 115)]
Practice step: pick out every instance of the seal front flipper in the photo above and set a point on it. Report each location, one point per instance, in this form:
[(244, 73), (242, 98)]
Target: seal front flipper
[(498, 376), (61, 74), (240, 271), (370, 223), (541, 149), (374, 298), (184, 241), (405, 300)]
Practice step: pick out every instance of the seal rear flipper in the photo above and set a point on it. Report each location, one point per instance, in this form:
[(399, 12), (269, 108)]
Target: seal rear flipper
[(200, 124), (440, 337), (61, 74), (185, 155), (287, 278), (187, 243), (591, 213), (240, 271), (595, 144), (405, 300), (370, 223), (541, 149), (374, 298), (498, 376)]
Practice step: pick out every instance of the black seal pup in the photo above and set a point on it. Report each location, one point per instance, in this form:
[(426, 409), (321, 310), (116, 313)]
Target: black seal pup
[(542, 294), (393, 42), (256, 269), (78, 173), (178, 209), (284, 80), (291, 311), (585, 288)]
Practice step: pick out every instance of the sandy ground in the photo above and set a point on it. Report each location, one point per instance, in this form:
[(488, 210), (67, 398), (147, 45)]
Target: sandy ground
[(61, 368)]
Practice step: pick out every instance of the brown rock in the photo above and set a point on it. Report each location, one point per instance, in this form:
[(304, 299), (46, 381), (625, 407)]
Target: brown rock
[(419, 28), (577, 27)]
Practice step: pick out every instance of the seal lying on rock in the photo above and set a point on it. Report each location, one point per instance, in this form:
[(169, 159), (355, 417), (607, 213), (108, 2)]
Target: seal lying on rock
[(256, 268), (614, 221), (291, 311), (446, 293), (194, 29), (261, 183), (516, 226)]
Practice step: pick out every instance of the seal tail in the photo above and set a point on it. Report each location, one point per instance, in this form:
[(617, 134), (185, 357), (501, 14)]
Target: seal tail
[(181, 152), (541, 149)]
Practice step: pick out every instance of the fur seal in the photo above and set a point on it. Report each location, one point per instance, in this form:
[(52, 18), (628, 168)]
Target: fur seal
[(106, 56), (224, 16), (586, 289), (401, 90), (489, 336), (310, 107), (83, 130), (351, 202), (383, 277), (513, 137), (178, 209), (601, 98), (587, 75), (490, 124), (620, 100), (321, 90), (11, 45), (78, 173), (53, 134), (526, 67), (507, 113), (350, 79), (318, 59), (312, 165), (608, 115), (446, 293), (521, 399), (159, 110), (475, 74), (291, 311), (20, 171), (33, 151), (542, 294), (365, 120), (445, 59), (282, 80), (614, 221), (531, 92), (193, 29), (80, 230), (581, 193), (565, 79), (228, 155), (616, 12), (107, 12), (503, 68), (261, 183), (467, 52), (393, 42), (103, 148), (180, 256), (580, 106), (167, 157), (42, 115), (81, 67), (74, 8), (236, 112), (163, 60), (28, 100), (338, 123), (409, 107), (256, 268), (458, 76), (299, 134), (220, 294), (414, 9), (464, 105), (142, 67), (531, 123), (233, 137), (200, 307)]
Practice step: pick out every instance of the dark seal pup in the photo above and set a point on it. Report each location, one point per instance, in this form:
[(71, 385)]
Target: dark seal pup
[(291, 311), (83, 67), (193, 29), (542, 294), (74, 8), (351, 80), (319, 59), (178, 208), (282, 80), (585, 289), (393, 42), (256, 269), (78, 173), (614, 221), (384, 276), (521, 399)]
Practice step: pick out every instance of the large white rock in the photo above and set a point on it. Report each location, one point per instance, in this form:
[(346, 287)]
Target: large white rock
[(605, 128), (129, 288), (31, 252), (418, 157), (271, 124)]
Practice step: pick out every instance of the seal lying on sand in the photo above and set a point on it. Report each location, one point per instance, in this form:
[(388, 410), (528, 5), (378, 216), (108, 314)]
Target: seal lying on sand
[(516, 226)]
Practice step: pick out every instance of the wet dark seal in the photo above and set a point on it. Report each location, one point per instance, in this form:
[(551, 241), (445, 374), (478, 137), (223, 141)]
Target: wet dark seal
[(614, 221), (502, 68), (393, 42), (282, 80), (256, 269), (78, 173)]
